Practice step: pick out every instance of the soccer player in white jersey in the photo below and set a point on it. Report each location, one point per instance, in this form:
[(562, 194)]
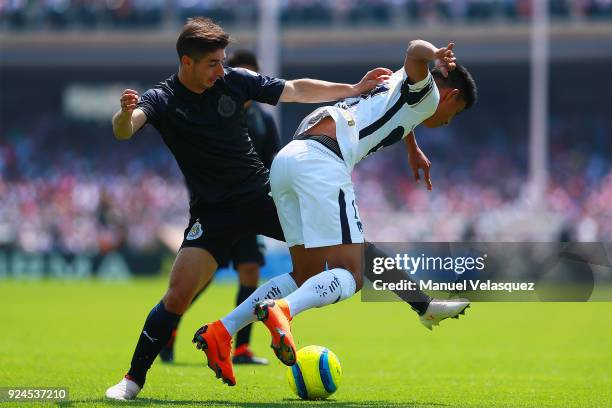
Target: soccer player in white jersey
[(312, 189)]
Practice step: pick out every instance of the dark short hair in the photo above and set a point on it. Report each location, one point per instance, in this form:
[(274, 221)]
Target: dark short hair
[(461, 79), (201, 36), (241, 58)]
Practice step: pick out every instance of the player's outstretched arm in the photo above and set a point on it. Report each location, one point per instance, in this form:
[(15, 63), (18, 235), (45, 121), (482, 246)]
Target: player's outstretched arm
[(316, 91), (420, 53), (129, 118)]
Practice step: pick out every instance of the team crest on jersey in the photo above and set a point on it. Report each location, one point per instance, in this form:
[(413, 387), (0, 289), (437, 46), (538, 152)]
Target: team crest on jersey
[(195, 232), (226, 106)]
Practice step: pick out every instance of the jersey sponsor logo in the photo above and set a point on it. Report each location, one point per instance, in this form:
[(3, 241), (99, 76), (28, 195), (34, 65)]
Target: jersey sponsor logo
[(195, 232), (226, 106)]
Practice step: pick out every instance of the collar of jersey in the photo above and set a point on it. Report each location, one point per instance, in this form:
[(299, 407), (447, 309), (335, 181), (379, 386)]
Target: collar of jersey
[(186, 93)]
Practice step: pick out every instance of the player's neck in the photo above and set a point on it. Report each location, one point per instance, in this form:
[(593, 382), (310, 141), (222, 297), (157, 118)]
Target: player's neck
[(187, 83)]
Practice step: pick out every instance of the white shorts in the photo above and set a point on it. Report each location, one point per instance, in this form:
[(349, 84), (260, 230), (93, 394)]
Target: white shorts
[(314, 196)]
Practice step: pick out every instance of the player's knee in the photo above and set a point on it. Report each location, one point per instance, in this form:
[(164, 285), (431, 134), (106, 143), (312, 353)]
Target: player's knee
[(248, 273), (301, 276), (354, 266)]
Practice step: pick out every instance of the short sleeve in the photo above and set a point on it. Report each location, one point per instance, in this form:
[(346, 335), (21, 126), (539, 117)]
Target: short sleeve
[(152, 104), (257, 87), (422, 96), (421, 84)]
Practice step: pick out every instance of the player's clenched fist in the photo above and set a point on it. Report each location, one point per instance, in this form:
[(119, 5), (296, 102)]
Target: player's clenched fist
[(129, 100)]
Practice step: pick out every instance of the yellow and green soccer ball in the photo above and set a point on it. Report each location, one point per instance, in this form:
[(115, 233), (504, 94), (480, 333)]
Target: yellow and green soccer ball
[(317, 373)]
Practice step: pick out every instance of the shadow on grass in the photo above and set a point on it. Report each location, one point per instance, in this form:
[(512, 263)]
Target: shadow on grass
[(287, 402), (185, 364), (203, 364)]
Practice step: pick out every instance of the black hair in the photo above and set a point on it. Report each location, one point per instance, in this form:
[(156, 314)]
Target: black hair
[(201, 36), (241, 58), (461, 79)]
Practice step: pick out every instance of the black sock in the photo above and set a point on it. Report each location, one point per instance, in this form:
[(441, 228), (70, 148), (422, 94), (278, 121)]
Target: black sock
[(244, 335), (154, 336), (170, 343), (417, 299)]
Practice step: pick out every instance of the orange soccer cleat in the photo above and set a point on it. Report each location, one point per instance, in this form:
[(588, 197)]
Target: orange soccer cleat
[(217, 344), (275, 315)]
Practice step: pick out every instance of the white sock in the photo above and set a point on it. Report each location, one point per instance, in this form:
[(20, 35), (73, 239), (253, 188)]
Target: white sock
[(322, 289), (276, 288)]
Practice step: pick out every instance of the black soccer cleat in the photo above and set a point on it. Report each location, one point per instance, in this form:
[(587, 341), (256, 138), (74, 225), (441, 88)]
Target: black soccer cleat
[(167, 355)]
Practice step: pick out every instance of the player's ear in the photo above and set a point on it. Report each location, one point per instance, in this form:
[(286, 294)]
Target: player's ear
[(186, 60), (452, 94)]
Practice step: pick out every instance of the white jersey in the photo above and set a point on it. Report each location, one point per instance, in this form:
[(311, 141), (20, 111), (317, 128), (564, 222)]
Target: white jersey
[(385, 115)]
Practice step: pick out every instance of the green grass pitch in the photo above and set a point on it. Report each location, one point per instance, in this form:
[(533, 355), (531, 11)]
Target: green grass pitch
[(81, 335)]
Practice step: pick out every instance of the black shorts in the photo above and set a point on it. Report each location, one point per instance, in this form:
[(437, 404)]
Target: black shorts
[(246, 250), (218, 230)]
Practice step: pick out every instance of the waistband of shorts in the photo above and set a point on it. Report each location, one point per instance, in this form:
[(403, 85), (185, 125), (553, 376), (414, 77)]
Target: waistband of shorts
[(330, 143)]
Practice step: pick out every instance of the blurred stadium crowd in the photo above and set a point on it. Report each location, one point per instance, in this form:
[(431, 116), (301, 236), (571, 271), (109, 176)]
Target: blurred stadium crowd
[(91, 14), (480, 186), (89, 194), (70, 187), (66, 185)]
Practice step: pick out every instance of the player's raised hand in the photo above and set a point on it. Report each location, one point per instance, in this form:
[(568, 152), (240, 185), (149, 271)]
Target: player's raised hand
[(129, 101), (372, 79), (418, 160), (445, 59)]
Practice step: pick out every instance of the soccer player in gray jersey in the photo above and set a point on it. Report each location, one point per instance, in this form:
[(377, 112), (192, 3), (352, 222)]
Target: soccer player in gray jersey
[(312, 189), (199, 113), (246, 254)]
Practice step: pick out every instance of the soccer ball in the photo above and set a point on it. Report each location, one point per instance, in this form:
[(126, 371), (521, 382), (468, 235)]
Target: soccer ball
[(317, 373)]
